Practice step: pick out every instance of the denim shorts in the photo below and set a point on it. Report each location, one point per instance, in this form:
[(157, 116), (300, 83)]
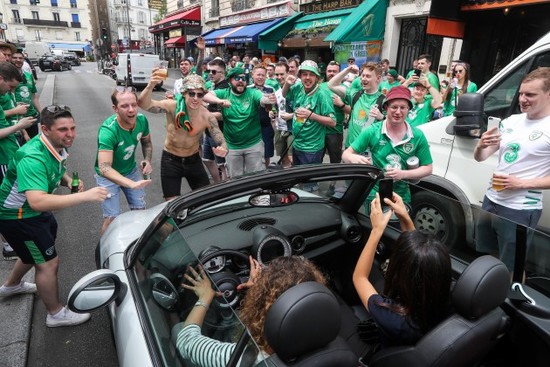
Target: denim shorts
[(135, 197), (208, 153)]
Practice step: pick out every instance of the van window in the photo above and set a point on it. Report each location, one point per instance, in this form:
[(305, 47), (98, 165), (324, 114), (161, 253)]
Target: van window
[(501, 101)]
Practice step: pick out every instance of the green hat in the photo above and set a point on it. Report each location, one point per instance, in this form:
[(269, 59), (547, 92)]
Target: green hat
[(234, 72), (393, 73), (309, 65)]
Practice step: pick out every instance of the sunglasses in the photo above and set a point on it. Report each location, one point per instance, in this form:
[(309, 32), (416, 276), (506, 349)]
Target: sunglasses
[(122, 89), (213, 72), (57, 109), (334, 63), (195, 94), (239, 78)]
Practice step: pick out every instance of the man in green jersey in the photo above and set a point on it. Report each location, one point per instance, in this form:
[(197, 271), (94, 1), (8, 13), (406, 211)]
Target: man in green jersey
[(26, 93), (26, 202), (334, 135), (242, 128), (364, 105), (423, 103), (313, 112), (392, 143), (424, 63), (10, 132), (115, 164)]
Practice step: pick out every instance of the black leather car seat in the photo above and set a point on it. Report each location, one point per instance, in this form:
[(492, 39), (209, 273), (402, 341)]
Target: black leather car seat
[(465, 337), (302, 329)]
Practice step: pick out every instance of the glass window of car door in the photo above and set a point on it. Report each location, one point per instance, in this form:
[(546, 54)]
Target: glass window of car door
[(159, 270), (502, 100)]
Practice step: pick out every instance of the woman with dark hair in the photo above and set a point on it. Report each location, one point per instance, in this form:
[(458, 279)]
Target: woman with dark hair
[(265, 287), (459, 85), (417, 281)]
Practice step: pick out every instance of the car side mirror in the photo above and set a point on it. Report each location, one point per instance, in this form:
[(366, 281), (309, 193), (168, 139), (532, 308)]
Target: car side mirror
[(96, 290), (469, 114)]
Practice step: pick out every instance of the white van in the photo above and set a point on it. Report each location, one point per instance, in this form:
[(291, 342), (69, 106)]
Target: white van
[(455, 171), (134, 69), (35, 50)]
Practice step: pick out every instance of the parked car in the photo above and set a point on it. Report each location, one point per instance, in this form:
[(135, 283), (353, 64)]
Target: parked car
[(54, 63), (72, 57), (144, 254)]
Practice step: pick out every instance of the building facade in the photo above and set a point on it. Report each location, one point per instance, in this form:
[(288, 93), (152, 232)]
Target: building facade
[(53, 21)]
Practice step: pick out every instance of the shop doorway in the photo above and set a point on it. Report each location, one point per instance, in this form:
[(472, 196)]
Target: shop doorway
[(413, 41)]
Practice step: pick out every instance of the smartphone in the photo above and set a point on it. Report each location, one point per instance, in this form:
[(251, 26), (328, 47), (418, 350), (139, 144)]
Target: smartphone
[(493, 122), (417, 72), (385, 190)]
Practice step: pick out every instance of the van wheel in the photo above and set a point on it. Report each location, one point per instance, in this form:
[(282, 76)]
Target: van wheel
[(442, 218)]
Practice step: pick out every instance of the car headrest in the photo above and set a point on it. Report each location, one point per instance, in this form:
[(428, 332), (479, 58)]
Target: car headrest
[(482, 287), (304, 318)]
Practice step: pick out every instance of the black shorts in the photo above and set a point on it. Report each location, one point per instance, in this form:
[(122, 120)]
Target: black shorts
[(174, 168), (33, 239)]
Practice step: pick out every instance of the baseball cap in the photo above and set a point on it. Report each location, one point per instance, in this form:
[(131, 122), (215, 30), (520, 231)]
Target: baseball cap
[(190, 59), (351, 58), (207, 59), (234, 71), (309, 65), (398, 92), (193, 81)]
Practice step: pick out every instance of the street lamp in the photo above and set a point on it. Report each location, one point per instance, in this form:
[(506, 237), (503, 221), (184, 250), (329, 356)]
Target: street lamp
[(129, 25)]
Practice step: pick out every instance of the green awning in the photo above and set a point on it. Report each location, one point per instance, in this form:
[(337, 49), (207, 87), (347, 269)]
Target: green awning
[(269, 39), (367, 22)]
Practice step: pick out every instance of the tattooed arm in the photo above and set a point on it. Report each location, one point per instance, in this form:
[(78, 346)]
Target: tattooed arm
[(104, 163), (148, 104)]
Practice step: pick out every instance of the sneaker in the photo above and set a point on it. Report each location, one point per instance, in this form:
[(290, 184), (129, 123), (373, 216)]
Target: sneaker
[(66, 317), (22, 288), (8, 252)]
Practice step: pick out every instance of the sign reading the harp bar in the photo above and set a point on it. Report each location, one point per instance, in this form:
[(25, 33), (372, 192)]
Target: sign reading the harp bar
[(327, 5), (246, 17)]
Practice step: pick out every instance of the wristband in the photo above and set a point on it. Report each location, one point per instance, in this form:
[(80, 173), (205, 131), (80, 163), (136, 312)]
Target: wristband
[(311, 113), (201, 303)]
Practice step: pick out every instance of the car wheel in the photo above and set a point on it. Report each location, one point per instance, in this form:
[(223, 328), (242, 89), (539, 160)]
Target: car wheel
[(42, 69), (69, 67), (441, 218)]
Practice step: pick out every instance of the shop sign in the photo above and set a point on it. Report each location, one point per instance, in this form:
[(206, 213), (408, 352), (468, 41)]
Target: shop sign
[(327, 5), (362, 51), (156, 4), (269, 12), (319, 23)]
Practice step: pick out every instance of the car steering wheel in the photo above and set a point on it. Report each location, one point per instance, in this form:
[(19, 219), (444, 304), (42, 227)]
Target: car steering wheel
[(226, 281)]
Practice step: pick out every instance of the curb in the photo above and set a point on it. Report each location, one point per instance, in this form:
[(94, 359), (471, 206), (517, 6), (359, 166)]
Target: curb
[(15, 326)]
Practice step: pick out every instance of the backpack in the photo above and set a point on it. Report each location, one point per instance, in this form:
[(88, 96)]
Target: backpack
[(356, 96)]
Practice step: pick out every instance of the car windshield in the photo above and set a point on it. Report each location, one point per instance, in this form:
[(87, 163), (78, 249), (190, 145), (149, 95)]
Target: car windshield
[(324, 219)]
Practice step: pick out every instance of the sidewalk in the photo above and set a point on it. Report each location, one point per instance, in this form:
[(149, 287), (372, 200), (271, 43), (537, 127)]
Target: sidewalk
[(15, 323)]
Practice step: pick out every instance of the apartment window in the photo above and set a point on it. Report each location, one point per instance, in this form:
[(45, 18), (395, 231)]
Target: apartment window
[(77, 36), (16, 17), (140, 2), (37, 35), (141, 17), (73, 4), (13, 1), (54, 2), (35, 15), (20, 34), (56, 17), (75, 19), (34, 2)]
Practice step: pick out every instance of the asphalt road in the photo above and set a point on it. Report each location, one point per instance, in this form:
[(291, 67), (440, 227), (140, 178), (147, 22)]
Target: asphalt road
[(88, 94)]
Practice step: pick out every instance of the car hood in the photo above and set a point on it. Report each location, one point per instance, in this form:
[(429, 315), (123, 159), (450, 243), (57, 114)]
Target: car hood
[(126, 228)]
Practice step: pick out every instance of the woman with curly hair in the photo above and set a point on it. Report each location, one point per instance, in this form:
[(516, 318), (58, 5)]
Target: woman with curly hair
[(460, 84), (265, 287), (418, 279)]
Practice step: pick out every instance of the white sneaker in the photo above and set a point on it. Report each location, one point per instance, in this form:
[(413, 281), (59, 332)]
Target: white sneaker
[(66, 317), (22, 288)]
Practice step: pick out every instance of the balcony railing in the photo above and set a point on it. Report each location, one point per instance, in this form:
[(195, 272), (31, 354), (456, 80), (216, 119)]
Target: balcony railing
[(46, 23), (16, 20), (76, 25)]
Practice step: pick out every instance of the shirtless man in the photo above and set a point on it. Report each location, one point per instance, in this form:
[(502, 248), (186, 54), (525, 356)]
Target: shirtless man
[(186, 120)]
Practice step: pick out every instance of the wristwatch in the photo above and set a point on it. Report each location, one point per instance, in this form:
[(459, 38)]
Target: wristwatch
[(203, 304)]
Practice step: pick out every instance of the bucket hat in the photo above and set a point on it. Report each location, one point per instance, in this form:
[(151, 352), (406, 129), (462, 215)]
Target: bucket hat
[(309, 65), (398, 92)]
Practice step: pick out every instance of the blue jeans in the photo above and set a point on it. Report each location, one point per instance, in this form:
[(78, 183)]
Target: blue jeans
[(300, 158), (135, 197), (496, 229)]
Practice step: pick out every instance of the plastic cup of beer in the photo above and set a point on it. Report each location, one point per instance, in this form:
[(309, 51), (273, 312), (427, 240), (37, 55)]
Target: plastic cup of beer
[(162, 69), (497, 186)]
